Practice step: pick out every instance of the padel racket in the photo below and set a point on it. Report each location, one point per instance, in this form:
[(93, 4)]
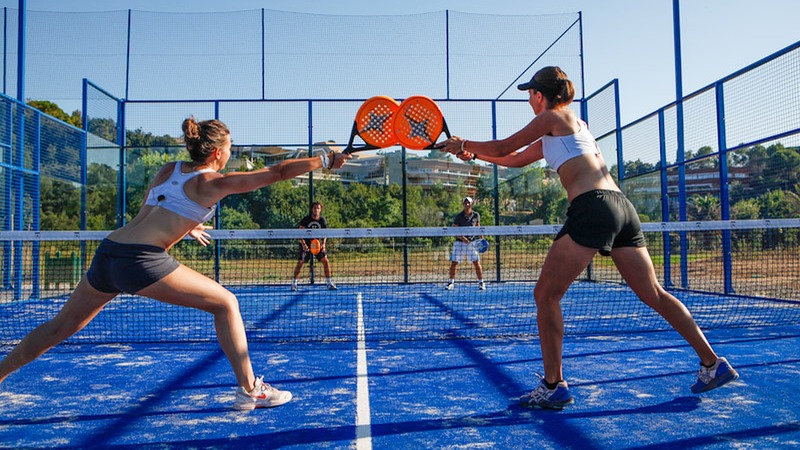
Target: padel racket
[(315, 247), (373, 124), (419, 122), (481, 245)]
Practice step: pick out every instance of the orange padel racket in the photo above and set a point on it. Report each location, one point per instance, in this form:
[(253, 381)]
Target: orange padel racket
[(419, 122), (315, 247), (374, 124)]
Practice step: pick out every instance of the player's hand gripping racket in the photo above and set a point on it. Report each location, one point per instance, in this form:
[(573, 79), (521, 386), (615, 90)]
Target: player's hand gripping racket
[(373, 124), (419, 122), (481, 245)]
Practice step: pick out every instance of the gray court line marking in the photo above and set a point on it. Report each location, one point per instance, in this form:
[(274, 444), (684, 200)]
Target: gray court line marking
[(363, 426)]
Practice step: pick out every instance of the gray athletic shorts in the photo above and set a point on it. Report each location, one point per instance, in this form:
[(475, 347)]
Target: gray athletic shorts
[(128, 267)]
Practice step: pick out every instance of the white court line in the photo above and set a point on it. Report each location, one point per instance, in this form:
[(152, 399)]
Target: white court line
[(363, 426)]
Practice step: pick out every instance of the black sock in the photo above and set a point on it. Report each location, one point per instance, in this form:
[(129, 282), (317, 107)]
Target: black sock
[(709, 366), (552, 385)]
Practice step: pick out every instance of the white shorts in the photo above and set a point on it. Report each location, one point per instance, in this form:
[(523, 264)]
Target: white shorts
[(463, 251)]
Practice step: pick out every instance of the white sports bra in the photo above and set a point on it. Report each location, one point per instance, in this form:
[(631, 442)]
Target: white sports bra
[(170, 196), (559, 149)]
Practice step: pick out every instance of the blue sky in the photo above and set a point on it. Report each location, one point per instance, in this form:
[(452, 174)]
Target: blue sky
[(631, 40)]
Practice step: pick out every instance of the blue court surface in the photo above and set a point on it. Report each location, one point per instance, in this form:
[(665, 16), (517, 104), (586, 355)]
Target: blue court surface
[(631, 389)]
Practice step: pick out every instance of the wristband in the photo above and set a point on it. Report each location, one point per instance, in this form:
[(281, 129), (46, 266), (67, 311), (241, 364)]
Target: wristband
[(325, 160)]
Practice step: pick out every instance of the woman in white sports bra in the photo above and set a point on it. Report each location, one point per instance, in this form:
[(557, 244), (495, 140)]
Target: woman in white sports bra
[(599, 219), (134, 258)]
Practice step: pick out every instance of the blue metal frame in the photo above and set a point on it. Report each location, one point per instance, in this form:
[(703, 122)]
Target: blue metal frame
[(8, 200), (263, 56), (676, 17), (17, 177), (447, 50), (19, 203), (5, 46), (666, 239), (722, 146), (128, 55), (495, 174), (217, 222), (35, 197)]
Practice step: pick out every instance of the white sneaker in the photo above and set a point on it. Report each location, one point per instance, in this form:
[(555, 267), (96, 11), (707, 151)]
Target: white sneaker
[(481, 285), (332, 286), (450, 286), (294, 286), (545, 398), (720, 374), (262, 396)]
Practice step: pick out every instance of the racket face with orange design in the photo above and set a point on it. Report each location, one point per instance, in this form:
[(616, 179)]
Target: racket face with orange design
[(419, 122), (373, 124), (315, 247)]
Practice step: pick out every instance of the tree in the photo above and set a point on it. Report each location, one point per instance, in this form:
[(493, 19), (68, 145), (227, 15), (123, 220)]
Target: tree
[(700, 163), (779, 204), (140, 138), (101, 197), (437, 154), (104, 128), (745, 210), (54, 110), (703, 207), (59, 205), (633, 168)]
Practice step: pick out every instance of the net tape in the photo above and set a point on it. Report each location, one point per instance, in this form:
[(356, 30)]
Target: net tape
[(400, 232)]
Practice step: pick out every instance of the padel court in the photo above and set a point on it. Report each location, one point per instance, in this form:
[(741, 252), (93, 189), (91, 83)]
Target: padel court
[(392, 360)]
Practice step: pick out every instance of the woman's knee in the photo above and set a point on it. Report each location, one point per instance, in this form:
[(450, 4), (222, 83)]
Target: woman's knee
[(225, 304), (657, 297), (546, 296)]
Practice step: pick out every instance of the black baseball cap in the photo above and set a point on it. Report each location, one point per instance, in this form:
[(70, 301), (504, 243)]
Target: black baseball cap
[(530, 85)]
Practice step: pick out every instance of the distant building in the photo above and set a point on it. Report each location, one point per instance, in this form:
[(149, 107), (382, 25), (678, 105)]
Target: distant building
[(381, 168), (705, 180), (428, 172)]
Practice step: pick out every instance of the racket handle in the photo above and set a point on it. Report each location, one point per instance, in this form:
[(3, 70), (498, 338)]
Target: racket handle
[(351, 149), (446, 132)]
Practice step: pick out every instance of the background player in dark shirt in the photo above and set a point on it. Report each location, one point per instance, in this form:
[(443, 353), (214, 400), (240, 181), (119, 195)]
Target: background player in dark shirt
[(313, 220)]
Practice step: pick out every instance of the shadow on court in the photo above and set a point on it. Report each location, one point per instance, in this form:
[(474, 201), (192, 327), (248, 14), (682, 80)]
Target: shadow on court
[(632, 391)]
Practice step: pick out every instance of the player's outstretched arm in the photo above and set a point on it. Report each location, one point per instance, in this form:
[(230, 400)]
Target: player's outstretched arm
[(241, 182)]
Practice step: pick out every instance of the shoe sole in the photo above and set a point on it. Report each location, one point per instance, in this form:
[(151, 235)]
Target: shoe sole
[(552, 406)]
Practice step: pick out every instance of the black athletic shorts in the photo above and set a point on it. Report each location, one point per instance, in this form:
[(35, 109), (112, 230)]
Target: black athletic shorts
[(603, 220), (306, 255), (128, 267)]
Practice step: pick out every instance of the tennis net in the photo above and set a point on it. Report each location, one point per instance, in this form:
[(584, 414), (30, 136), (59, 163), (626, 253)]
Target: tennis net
[(391, 283)]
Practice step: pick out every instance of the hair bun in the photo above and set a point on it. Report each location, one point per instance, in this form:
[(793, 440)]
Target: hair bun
[(191, 130)]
